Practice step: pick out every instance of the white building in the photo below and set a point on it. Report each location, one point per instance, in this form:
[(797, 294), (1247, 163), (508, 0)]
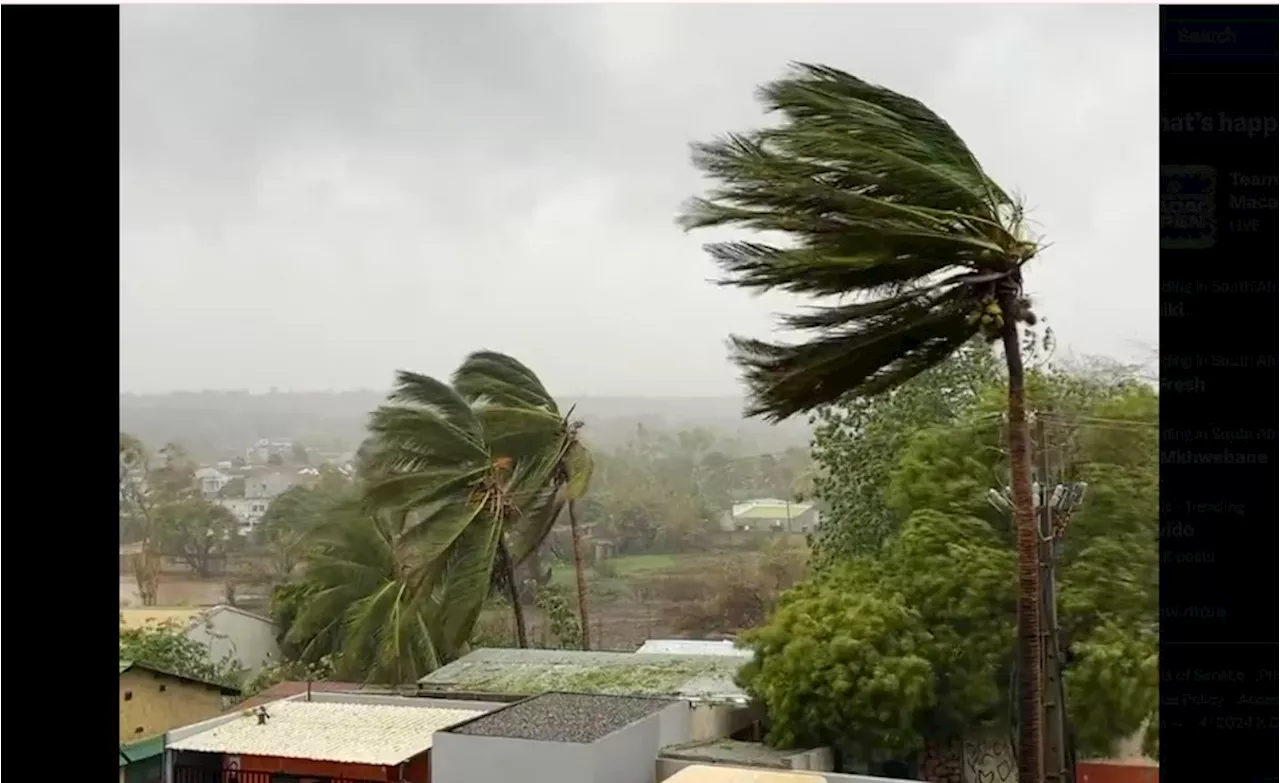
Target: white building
[(212, 481), (248, 511)]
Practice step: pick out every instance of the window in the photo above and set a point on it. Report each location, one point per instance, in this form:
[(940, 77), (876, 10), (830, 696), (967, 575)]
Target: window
[(163, 687), (138, 730), (128, 695)]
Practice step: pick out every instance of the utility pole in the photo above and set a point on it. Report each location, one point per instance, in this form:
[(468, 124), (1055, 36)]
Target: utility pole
[(1055, 503), (1054, 719)]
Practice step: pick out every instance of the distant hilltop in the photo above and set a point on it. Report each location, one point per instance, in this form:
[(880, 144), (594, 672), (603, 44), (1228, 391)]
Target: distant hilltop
[(216, 425)]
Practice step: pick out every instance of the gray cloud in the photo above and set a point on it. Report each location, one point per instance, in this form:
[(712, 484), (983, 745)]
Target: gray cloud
[(314, 196)]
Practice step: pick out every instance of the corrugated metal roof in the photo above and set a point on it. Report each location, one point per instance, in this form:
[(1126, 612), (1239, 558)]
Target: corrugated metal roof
[(691, 647), (127, 665), (142, 750), (514, 671), (376, 734), (702, 773)]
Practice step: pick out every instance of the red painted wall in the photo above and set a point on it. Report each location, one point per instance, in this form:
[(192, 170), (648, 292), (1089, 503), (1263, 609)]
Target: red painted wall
[(320, 769), (1113, 772), (416, 769)]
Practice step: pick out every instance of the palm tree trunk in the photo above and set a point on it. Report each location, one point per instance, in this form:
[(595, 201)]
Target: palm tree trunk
[(513, 593), (1030, 698), (580, 572)]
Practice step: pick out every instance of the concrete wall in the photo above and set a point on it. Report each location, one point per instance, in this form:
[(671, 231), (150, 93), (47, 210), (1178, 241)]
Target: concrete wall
[(152, 703), (242, 637), (466, 758), (716, 721), (627, 755)]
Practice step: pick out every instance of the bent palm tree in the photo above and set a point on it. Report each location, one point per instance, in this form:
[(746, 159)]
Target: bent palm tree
[(501, 379), (887, 206), (366, 602), (466, 475)]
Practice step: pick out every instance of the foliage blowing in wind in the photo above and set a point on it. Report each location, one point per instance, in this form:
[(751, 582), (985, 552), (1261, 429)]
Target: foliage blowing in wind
[(889, 213)]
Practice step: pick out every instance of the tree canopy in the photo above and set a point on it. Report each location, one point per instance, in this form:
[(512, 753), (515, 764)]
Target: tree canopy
[(166, 647), (948, 565), (858, 442)]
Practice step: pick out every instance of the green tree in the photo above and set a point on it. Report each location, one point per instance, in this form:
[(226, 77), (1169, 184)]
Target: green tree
[(364, 603), (841, 663), (952, 564), (859, 441), (166, 647), (1113, 687), (161, 507), (885, 205), (198, 532), (473, 477), (950, 583), (490, 377), (1103, 432)]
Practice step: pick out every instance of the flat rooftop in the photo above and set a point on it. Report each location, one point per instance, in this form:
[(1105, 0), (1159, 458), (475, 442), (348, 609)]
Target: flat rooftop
[(508, 671), (563, 717), (729, 751), (375, 734)]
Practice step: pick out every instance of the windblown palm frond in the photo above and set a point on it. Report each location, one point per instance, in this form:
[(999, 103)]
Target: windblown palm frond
[(885, 204), (365, 601)]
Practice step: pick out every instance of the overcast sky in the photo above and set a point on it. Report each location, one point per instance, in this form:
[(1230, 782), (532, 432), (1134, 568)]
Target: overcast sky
[(315, 196)]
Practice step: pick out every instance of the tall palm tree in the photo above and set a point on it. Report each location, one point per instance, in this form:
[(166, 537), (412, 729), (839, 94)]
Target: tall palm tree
[(501, 379), (887, 209), (467, 475)]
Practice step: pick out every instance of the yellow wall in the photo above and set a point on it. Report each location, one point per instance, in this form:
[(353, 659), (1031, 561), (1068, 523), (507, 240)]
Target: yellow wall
[(150, 711)]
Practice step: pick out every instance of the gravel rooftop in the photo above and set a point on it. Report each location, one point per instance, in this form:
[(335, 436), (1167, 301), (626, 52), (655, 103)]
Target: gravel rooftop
[(563, 717)]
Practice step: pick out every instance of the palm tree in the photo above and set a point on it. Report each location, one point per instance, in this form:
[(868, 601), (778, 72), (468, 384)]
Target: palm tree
[(501, 379), (467, 475), (366, 602), (884, 205)]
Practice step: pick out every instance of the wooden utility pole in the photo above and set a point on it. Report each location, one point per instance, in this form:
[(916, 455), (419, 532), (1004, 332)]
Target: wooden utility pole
[(1054, 719)]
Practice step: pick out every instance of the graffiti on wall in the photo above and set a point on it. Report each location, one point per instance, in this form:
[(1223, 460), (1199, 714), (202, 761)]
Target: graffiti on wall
[(989, 759)]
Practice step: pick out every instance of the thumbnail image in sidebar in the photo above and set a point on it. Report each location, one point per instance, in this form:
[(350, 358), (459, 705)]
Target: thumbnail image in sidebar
[(1187, 219)]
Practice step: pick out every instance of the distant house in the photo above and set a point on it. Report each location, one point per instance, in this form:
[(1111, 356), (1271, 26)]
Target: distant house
[(771, 514), (152, 701), (267, 485), (247, 511), (211, 481), (229, 632), (265, 448)]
